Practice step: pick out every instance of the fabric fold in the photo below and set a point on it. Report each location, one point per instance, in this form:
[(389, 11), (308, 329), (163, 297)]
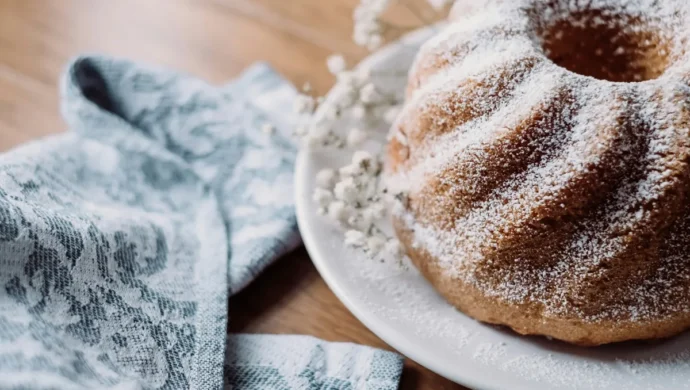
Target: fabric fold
[(303, 362), (121, 240)]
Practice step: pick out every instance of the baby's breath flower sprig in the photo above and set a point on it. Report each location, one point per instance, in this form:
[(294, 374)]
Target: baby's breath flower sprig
[(370, 27), (355, 96), (354, 195)]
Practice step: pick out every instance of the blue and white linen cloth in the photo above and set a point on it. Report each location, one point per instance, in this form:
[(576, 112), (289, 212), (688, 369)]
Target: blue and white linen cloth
[(121, 240)]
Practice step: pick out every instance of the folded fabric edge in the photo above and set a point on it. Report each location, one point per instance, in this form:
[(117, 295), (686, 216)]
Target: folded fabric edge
[(261, 87), (306, 362), (368, 367), (297, 361)]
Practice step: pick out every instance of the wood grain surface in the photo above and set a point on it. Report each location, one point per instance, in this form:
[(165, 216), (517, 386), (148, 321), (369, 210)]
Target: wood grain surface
[(214, 40)]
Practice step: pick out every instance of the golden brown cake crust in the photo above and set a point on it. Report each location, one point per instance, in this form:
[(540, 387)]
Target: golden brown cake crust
[(545, 174), (526, 318)]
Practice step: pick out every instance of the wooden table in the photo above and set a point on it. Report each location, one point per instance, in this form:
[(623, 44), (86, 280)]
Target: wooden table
[(215, 40)]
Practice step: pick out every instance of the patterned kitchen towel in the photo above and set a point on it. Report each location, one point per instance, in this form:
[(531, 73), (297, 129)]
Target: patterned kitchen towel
[(121, 239)]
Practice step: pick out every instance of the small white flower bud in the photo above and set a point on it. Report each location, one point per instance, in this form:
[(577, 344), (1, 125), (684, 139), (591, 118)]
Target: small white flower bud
[(346, 190), (363, 76), (375, 42), (361, 156), (346, 78), (304, 104), (359, 111), (376, 210), (316, 138), (360, 37), (355, 238), (306, 87), (322, 197), (375, 243), (365, 161), (331, 112), (350, 171), (336, 64), (391, 114), (326, 178), (356, 137), (368, 94), (337, 211), (344, 96), (394, 249)]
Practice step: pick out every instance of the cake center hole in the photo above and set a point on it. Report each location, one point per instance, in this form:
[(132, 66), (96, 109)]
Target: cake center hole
[(606, 47)]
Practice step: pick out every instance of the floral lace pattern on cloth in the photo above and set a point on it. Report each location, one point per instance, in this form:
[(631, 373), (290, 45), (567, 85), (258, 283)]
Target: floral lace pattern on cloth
[(121, 240)]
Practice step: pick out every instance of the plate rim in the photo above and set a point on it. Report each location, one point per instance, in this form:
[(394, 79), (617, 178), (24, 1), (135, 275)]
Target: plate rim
[(475, 375), (389, 334)]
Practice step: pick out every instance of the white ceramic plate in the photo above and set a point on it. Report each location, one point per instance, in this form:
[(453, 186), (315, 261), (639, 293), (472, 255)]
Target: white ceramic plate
[(402, 308)]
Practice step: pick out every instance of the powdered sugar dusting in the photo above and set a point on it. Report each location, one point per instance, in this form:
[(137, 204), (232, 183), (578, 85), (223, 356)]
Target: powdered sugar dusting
[(592, 373), (464, 348), (538, 88), (411, 303), (578, 193)]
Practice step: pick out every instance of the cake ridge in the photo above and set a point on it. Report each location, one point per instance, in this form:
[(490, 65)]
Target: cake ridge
[(555, 191), (447, 138), (445, 145)]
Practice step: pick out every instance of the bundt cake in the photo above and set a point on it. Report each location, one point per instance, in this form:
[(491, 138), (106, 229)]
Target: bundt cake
[(541, 162)]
